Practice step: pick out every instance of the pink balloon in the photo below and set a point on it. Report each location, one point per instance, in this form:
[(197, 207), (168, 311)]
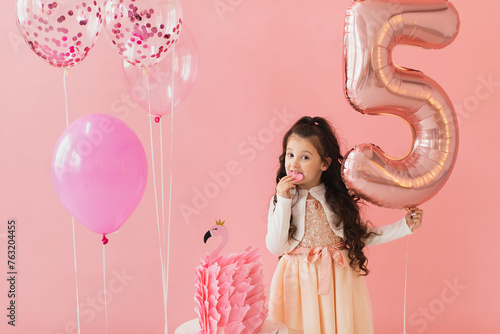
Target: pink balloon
[(62, 32), (99, 171), (143, 31), (185, 59), (374, 85)]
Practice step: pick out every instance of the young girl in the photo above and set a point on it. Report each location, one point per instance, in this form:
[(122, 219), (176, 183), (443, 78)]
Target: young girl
[(315, 227)]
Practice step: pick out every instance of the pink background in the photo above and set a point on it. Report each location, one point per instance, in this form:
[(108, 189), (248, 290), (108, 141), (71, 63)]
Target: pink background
[(263, 64)]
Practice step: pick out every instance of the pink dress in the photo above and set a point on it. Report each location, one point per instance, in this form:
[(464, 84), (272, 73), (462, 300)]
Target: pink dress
[(344, 308)]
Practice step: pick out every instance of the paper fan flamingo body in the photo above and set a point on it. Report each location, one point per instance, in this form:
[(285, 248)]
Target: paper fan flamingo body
[(229, 294)]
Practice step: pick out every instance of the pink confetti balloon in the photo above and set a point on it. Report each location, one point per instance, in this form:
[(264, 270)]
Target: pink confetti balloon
[(185, 66), (99, 171), (143, 31), (61, 32), (374, 85)]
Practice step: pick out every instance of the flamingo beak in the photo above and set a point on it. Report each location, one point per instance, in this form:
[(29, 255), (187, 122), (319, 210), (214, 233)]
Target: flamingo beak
[(207, 235)]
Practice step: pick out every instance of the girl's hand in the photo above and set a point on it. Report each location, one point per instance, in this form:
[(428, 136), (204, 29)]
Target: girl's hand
[(283, 187), (414, 218)]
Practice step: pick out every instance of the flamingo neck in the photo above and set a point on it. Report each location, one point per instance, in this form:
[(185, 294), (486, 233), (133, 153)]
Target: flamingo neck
[(216, 252)]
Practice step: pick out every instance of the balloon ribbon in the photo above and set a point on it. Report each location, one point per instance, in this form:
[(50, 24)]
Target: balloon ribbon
[(72, 218)]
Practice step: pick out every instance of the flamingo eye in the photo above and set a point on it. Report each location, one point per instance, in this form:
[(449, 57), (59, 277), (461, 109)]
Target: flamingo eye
[(215, 229)]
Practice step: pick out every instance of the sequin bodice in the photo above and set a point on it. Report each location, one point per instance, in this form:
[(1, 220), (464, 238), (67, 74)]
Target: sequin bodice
[(317, 231)]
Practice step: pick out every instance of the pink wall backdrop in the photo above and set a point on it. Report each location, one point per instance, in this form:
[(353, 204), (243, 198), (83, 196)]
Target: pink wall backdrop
[(263, 64)]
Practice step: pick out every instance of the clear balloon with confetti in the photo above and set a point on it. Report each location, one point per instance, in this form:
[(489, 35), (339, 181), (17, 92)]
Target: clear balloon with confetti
[(60, 32), (143, 32)]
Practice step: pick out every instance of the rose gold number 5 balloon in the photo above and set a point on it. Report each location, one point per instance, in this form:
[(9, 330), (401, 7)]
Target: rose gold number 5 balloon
[(374, 85)]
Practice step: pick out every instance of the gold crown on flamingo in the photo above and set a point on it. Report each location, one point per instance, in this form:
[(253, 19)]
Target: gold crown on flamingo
[(219, 222)]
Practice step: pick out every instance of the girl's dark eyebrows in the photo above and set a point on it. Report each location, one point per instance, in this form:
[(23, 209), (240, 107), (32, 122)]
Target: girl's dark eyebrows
[(289, 149)]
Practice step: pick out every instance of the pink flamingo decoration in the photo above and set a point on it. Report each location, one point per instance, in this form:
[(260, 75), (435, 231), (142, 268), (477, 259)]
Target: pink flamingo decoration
[(229, 292)]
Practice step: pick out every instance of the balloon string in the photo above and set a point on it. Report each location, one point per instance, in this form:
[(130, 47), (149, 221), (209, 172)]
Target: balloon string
[(65, 73), (406, 278), (171, 174), (65, 98), (104, 280), (76, 276), (163, 225), (156, 199)]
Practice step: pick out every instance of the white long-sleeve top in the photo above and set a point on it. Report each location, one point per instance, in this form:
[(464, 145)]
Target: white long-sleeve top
[(278, 224)]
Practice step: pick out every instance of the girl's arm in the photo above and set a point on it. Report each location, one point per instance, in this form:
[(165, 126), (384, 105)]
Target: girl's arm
[(403, 227), (278, 224), (387, 233)]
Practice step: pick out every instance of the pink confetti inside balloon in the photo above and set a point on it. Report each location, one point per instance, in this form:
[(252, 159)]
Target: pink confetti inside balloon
[(143, 31), (60, 32)]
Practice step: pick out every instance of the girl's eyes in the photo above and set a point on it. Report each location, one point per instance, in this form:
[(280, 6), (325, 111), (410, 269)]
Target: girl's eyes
[(304, 157)]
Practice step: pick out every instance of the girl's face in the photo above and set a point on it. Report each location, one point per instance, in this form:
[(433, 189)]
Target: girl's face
[(302, 157)]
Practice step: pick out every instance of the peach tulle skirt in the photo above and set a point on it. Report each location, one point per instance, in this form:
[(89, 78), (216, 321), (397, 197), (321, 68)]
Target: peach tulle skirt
[(294, 298)]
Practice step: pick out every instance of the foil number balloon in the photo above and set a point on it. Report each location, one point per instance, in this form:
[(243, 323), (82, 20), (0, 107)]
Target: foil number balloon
[(374, 85)]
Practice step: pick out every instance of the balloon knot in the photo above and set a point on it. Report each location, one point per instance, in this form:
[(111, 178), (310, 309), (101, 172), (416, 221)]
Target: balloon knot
[(144, 72), (157, 119), (104, 239)]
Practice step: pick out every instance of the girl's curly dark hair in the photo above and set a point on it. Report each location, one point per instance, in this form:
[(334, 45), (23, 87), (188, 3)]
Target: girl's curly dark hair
[(341, 201)]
